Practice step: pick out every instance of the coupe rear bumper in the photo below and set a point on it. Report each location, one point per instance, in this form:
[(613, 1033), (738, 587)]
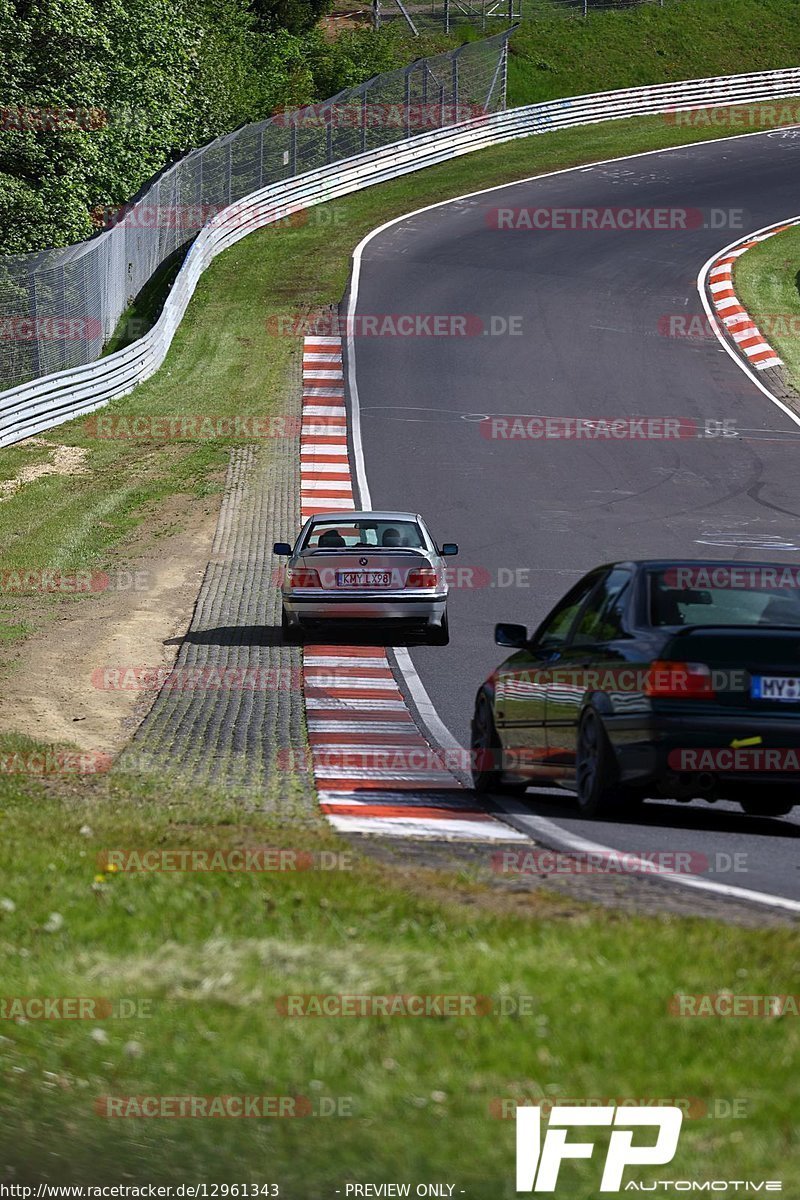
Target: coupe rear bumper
[(662, 747)]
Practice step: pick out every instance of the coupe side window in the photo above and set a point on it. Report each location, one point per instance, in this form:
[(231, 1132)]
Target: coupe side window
[(602, 619), (555, 629)]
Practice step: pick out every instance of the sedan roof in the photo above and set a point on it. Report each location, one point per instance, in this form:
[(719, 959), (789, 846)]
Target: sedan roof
[(365, 514)]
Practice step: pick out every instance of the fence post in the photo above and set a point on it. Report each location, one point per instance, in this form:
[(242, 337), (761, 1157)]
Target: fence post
[(455, 81)]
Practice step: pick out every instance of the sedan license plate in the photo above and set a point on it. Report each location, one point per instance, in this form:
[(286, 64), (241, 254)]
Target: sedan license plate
[(775, 687), (363, 578)]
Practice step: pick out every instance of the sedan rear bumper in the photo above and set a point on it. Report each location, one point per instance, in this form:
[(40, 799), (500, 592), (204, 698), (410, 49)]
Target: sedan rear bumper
[(429, 608)]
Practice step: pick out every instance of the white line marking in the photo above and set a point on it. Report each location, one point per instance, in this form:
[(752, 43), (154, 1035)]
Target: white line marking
[(465, 831), (572, 841)]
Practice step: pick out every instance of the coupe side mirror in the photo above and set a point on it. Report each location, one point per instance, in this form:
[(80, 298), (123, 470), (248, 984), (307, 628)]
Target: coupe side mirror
[(515, 636), (282, 548), (448, 549)]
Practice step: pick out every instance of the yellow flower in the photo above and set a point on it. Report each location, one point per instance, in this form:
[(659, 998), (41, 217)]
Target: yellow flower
[(99, 878)]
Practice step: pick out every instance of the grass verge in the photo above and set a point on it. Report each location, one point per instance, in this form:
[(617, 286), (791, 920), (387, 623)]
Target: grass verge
[(768, 283), (200, 963)]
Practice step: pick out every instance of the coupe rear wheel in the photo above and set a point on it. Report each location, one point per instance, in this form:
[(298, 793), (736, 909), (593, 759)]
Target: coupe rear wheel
[(599, 792), (487, 775)]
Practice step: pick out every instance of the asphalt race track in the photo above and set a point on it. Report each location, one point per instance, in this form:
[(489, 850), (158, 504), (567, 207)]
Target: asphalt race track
[(533, 515)]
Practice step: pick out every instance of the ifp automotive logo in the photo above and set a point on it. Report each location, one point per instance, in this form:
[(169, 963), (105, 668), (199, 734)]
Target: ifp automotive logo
[(539, 1160)]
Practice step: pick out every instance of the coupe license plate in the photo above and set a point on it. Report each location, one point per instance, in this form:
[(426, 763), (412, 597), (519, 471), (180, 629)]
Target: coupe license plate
[(364, 579), (776, 687)]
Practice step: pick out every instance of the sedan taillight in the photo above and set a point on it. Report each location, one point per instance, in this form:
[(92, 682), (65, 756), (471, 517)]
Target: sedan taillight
[(422, 577), (679, 681), (303, 577)]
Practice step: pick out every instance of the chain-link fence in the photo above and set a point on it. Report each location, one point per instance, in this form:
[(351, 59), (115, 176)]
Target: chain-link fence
[(421, 15), (59, 307), (445, 14)]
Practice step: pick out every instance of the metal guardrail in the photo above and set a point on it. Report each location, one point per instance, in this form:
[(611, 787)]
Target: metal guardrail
[(43, 403)]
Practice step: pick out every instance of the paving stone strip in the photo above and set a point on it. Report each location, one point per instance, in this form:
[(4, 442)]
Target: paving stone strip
[(234, 699)]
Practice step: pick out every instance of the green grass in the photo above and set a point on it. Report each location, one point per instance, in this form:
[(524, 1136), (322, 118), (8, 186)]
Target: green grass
[(204, 958), (557, 54), (768, 283)]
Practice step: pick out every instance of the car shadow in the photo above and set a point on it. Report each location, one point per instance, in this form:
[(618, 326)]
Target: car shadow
[(272, 635), (231, 635)]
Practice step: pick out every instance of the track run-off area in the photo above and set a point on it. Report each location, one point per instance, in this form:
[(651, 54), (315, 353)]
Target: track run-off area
[(593, 323)]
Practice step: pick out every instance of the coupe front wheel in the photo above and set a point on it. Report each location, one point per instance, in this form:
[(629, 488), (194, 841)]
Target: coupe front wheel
[(487, 752)]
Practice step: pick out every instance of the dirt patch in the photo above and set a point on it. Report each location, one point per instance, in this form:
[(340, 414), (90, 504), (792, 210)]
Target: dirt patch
[(52, 689), (64, 460)]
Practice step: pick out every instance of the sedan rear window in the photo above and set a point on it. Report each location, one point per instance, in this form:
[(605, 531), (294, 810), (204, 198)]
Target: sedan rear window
[(338, 535), (725, 594)]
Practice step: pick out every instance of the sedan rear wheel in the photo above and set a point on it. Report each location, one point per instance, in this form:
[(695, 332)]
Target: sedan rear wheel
[(291, 633), (439, 635), (598, 787)]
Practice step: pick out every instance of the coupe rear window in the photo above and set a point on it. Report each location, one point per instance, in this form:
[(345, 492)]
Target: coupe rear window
[(725, 594), (338, 535)]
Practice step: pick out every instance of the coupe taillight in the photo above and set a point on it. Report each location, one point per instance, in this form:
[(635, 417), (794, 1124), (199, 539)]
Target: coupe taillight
[(679, 681), (303, 577), (422, 577)]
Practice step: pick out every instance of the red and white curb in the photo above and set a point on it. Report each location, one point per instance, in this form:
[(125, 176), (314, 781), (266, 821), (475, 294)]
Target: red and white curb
[(374, 770), (738, 323)]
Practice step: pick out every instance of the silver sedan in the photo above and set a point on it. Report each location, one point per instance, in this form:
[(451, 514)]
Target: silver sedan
[(372, 566)]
